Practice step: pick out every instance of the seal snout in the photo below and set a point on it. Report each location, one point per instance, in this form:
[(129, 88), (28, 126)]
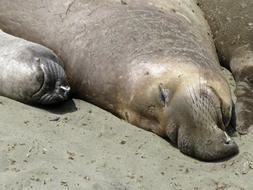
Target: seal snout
[(220, 146), (201, 128)]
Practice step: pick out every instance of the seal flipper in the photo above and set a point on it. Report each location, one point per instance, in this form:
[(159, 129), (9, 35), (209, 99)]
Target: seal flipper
[(30, 73), (55, 87)]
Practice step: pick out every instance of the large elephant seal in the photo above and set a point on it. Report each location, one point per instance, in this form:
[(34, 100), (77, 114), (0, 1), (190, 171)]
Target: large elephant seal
[(231, 22), (30, 73), (149, 62)]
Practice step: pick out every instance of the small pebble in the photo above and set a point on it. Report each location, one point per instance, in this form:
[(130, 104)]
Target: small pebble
[(245, 167), (44, 150), (123, 2), (54, 119), (123, 142)]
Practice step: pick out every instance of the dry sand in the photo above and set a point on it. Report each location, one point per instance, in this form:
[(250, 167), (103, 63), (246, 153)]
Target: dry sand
[(80, 146)]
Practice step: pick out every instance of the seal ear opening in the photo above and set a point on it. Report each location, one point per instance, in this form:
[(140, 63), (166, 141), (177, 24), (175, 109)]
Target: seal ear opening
[(165, 94)]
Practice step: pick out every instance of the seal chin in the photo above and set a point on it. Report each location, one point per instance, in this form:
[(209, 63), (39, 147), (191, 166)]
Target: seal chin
[(55, 87), (217, 149)]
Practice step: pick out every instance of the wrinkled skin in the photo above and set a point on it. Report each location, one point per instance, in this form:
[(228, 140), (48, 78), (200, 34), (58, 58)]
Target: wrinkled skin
[(232, 26), (30, 73), (151, 63)]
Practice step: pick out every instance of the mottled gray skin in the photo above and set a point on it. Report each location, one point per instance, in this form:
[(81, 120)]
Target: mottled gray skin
[(150, 62), (30, 73), (231, 22)]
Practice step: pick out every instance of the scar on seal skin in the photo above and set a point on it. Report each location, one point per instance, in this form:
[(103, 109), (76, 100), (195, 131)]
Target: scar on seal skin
[(152, 63), (232, 33), (30, 73)]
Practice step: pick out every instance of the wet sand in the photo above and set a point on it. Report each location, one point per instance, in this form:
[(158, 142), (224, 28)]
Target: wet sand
[(79, 146)]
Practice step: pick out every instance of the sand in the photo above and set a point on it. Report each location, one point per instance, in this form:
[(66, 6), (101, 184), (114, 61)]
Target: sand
[(79, 146)]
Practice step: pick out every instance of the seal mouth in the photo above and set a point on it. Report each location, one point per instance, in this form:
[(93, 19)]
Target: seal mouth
[(55, 87)]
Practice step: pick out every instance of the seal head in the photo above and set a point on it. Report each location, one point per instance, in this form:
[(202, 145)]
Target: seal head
[(198, 118)]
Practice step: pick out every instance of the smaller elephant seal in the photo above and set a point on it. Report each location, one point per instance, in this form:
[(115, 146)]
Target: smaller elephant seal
[(30, 73)]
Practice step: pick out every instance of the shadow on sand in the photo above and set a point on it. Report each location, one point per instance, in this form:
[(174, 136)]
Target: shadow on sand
[(60, 108)]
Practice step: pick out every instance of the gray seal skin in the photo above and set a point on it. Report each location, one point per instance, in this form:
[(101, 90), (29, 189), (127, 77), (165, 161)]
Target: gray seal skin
[(150, 62), (231, 22), (30, 73)]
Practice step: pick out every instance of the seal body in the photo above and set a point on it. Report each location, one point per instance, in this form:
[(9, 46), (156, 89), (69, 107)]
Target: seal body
[(149, 62), (232, 26), (29, 72)]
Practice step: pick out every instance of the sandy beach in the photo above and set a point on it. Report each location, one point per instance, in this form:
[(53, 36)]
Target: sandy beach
[(77, 145)]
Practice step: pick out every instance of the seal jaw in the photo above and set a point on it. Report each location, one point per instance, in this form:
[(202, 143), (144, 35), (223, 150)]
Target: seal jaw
[(55, 87), (217, 147)]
